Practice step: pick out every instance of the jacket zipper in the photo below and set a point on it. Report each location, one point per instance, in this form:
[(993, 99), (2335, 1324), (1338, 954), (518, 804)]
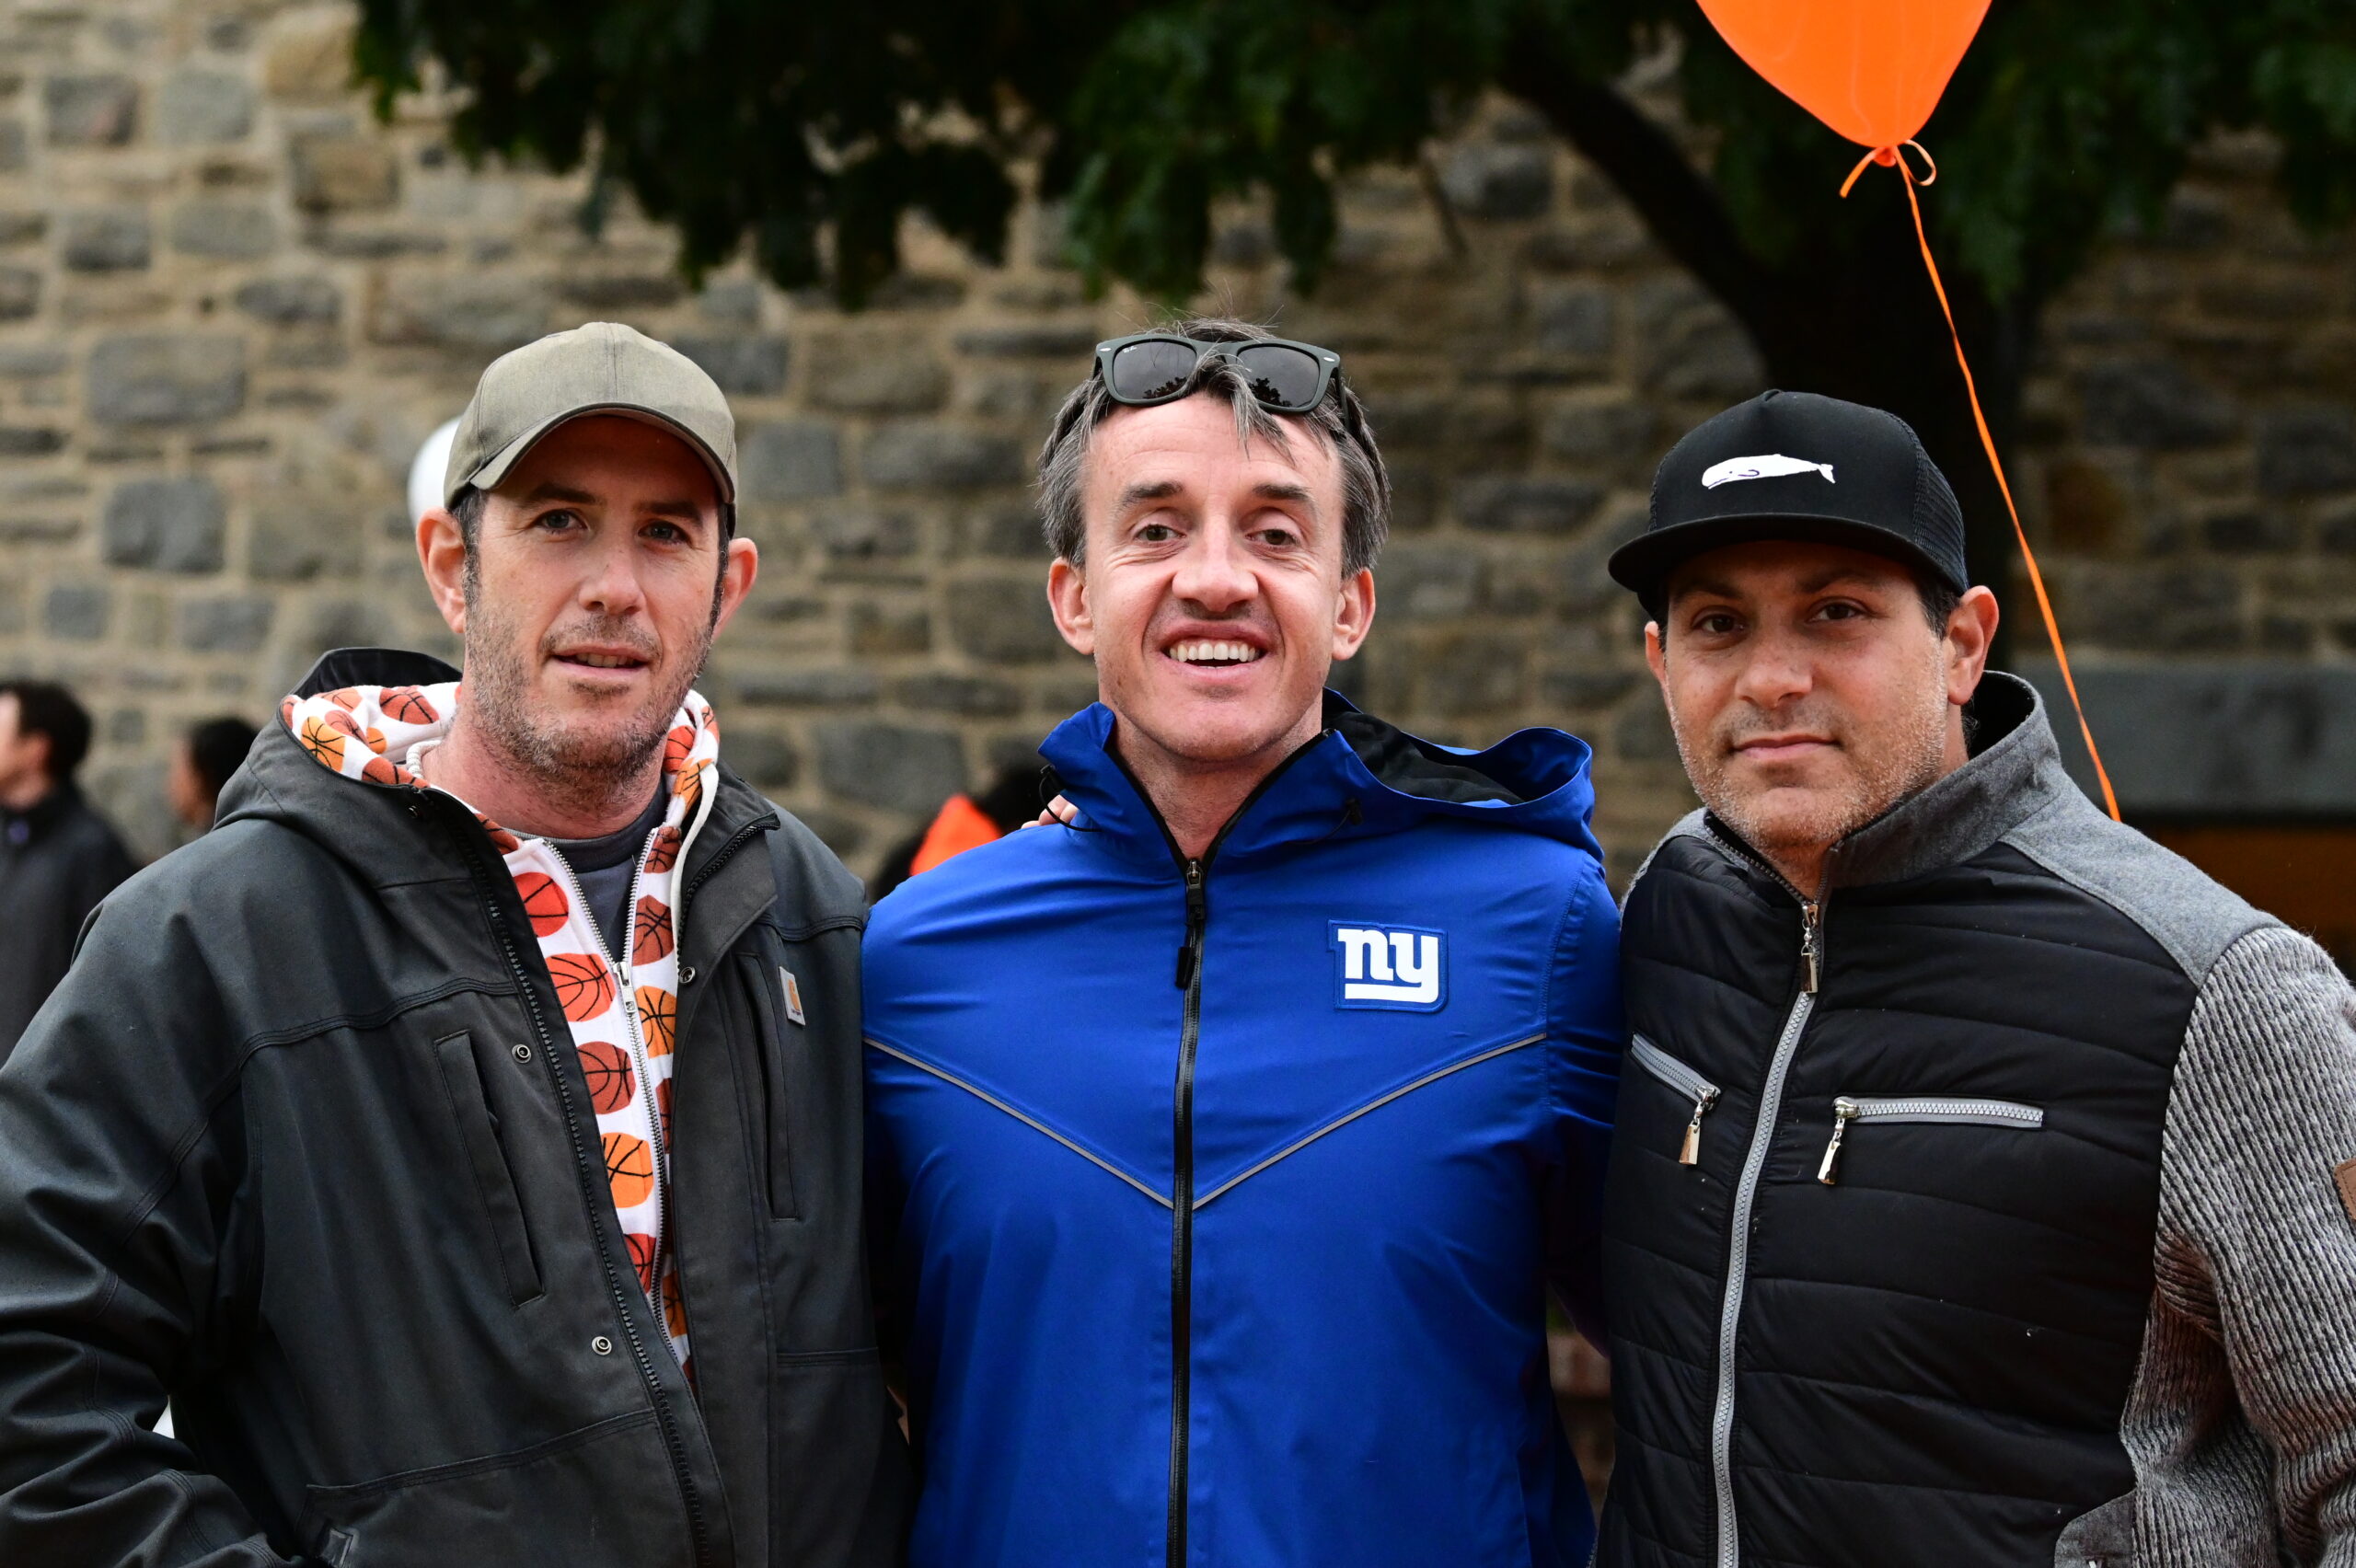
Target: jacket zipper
[(1771, 1101), (699, 1532), (1979, 1112), (1195, 873), (1685, 1081)]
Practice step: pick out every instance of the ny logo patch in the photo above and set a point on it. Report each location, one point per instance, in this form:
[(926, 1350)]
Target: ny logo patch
[(1397, 967)]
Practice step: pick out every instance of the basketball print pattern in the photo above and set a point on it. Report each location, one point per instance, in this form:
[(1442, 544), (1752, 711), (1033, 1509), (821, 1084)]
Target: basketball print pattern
[(622, 1009)]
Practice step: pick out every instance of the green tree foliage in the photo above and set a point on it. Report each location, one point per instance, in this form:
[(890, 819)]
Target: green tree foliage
[(795, 128)]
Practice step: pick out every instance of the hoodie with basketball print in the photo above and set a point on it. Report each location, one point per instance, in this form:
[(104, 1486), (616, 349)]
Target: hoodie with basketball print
[(621, 1007), (347, 1135)]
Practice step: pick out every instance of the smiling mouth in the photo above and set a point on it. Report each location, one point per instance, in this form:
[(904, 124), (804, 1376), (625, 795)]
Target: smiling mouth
[(1215, 655), (603, 661)]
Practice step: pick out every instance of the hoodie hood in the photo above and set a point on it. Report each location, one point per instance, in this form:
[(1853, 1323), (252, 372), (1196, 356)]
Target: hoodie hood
[(1360, 777)]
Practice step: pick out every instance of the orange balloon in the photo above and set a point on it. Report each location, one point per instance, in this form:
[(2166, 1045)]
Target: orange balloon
[(1871, 69)]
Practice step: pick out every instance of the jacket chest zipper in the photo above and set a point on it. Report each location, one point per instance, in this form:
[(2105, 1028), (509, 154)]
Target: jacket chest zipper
[(1762, 1130), (699, 1532), (1181, 1231)]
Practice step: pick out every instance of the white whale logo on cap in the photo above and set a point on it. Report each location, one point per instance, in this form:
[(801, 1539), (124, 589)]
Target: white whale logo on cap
[(1774, 466)]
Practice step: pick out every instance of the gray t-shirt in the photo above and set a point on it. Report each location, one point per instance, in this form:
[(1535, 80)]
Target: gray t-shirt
[(607, 868)]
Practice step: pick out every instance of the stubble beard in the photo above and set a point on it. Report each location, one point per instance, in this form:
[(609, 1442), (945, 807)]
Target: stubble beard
[(584, 765), (1884, 770)]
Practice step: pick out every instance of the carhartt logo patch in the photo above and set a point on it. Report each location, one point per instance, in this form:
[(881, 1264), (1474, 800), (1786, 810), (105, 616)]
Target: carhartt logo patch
[(1770, 465), (1404, 968), (2343, 1176), (792, 996)]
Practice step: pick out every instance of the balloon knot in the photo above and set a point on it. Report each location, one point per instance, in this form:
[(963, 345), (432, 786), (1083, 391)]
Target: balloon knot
[(1886, 157), (1894, 157)]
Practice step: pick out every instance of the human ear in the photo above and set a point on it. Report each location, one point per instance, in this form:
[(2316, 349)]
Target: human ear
[(736, 578), (1354, 613), (442, 550), (1972, 629), (1067, 599)]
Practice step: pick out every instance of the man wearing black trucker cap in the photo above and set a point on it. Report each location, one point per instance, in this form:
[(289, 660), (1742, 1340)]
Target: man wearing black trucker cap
[(1985, 1184), (353, 1131)]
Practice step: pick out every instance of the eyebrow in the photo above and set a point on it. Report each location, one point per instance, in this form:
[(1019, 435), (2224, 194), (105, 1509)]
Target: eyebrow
[(1160, 490), (549, 490), (1299, 494)]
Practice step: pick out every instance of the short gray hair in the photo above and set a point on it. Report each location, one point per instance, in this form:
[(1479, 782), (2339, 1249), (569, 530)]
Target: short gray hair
[(1340, 419)]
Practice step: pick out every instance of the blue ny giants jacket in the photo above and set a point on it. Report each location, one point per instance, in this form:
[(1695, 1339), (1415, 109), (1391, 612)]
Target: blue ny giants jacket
[(1216, 1201)]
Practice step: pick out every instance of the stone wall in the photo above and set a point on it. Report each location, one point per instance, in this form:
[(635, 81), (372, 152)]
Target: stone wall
[(232, 304)]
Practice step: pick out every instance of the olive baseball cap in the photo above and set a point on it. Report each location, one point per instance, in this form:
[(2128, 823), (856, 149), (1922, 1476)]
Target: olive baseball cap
[(601, 368), (1797, 466)]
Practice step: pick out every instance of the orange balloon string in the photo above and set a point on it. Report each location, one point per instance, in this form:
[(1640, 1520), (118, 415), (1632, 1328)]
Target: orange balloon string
[(1887, 156)]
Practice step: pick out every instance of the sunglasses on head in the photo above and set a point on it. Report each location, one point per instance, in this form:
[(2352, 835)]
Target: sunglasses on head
[(1146, 368)]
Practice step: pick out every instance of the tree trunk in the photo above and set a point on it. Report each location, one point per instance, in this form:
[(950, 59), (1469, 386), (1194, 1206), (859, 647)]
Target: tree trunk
[(1862, 324)]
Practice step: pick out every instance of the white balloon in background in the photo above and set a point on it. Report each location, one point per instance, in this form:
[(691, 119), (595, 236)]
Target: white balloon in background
[(426, 469)]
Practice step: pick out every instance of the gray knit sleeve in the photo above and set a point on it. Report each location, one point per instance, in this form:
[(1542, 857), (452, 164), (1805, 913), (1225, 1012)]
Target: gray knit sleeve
[(2242, 1427)]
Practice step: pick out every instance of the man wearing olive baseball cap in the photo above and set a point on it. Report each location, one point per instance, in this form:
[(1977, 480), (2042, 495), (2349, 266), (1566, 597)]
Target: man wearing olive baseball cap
[(1984, 1185), (354, 1134)]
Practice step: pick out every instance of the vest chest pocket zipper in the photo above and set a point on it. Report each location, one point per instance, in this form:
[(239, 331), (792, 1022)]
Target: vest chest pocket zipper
[(1973, 1112), (1685, 1081)]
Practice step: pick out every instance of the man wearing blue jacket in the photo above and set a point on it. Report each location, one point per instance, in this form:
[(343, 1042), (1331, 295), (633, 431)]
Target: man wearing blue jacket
[(1225, 1142)]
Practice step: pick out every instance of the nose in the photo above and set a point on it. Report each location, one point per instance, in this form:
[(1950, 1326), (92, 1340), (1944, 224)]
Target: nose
[(1778, 671), (610, 586), (1216, 572)]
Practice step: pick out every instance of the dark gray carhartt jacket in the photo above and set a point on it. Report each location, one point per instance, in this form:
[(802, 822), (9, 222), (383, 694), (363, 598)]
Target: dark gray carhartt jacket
[(303, 1144)]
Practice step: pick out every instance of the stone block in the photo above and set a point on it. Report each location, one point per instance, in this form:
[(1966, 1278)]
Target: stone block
[(1612, 431), (106, 240), (26, 362), (1642, 734), (1486, 180), (12, 609), (806, 687), (744, 365), (310, 64), (762, 759), (485, 314), (861, 532), (736, 301), (896, 767), (882, 630), (163, 378), (968, 697), (1041, 341), (1010, 531), (788, 461), (286, 301), (2156, 610), (77, 611), (872, 373), (621, 291), (342, 174), (30, 441), (1572, 319), (1527, 505), (1003, 620), (2246, 531), (2233, 740), (227, 231), (234, 623), (90, 111), (1472, 673), (166, 524), (2308, 450), (22, 228), (197, 108), (20, 293), (1700, 352), (2151, 404), (294, 540), (13, 148), (1428, 582), (930, 457)]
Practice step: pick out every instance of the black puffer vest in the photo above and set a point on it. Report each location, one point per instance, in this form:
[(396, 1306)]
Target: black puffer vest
[(1882, 1202)]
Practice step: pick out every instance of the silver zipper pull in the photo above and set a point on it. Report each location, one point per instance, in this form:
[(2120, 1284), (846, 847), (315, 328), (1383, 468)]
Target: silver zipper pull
[(1844, 1110), (1690, 1153), (1812, 943)]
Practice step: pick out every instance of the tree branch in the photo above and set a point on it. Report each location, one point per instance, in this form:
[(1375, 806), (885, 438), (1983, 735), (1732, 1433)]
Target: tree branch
[(1678, 205)]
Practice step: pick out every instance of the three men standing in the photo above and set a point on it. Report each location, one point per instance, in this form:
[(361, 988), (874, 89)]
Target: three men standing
[(354, 1130), (1224, 1144)]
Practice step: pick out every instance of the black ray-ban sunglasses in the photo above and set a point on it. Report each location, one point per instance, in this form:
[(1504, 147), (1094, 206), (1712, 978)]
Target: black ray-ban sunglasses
[(1145, 368)]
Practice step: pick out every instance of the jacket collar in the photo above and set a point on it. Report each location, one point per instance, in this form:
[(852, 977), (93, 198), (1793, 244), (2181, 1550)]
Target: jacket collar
[(1534, 780), (2015, 773)]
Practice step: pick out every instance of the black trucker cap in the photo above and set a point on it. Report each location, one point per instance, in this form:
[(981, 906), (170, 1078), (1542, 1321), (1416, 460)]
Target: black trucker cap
[(1794, 466)]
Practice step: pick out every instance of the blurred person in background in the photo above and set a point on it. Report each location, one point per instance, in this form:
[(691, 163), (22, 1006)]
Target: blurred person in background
[(354, 1131), (202, 764), (58, 857), (1226, 1142), (1985, 1182)]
